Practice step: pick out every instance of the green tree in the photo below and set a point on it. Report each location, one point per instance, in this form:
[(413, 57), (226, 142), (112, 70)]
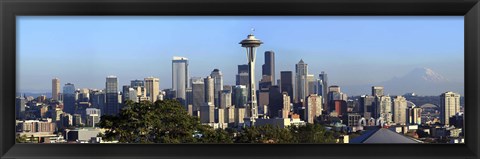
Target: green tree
[(160, 122), (312, 133), (21, 139)]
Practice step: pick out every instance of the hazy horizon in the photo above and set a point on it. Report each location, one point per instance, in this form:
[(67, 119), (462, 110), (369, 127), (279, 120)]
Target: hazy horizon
[(357, 50)]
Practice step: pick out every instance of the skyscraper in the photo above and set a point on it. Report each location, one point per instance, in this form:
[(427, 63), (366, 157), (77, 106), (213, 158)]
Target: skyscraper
[(198, 93), (384, 108), (367, 104), (125, 93), (313, 107), (207, 113), (111, 96), (69, 98), (137, 83), (242, 75), (209, 89), (152, 87), (225, 99), (377, 91), (310, 84), (275, 102), (449, 106), (180, 77), (268, 69), (324, 83), (239, 96), (400, 110), (20, 103), (286, 83), (301, 72), (55, 88), (218, 82), (286, 105)]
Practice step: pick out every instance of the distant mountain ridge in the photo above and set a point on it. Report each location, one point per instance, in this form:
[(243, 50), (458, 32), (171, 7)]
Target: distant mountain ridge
[(422, 81)]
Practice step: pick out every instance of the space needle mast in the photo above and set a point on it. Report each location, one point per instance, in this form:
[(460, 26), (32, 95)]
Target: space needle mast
[(250, 44)]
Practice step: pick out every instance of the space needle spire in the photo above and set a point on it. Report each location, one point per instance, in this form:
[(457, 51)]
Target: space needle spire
[(251, 44)]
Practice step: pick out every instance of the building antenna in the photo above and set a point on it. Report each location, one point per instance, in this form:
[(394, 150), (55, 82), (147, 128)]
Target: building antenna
[(252, 30)]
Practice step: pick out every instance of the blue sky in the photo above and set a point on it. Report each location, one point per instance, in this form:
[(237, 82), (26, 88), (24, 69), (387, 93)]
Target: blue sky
[(352, 50)]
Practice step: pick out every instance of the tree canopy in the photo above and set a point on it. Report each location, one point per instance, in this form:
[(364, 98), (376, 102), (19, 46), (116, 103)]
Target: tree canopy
[(168, 122)]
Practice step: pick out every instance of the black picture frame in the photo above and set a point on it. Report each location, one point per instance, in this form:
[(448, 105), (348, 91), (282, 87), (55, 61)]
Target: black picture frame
[(9, 9)]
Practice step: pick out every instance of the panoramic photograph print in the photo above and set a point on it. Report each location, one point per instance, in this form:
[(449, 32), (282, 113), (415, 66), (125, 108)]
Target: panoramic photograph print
[(240, 79)]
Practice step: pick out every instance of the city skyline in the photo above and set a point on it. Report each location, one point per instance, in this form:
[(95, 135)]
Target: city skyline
[(286, 55)]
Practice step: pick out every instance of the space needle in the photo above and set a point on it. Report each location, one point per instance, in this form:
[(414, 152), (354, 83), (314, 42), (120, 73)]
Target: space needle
[(250, 44)]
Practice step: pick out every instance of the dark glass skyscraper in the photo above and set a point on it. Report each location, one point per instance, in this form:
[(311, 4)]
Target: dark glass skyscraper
[(242, 75), (111, 90), (69, 98), (275, 101), (268, 69), (137, 83), (324, 83), (286, 83)]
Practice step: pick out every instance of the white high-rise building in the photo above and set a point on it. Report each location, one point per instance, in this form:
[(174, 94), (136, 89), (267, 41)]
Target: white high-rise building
[(180, 76), (449, 106), (218, 84), (152, 87), (384, 108), (209, 90), (301, 81), (400, 110)]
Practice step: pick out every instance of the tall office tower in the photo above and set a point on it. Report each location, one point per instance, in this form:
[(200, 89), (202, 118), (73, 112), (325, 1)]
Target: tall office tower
[(263, 97), (55, 88), (69, 98), (340, 107), (209, 90), (239, 116), (301, 72), (98, 100), (180, 77), (239, 96), (400, 110), (334, 93), (377, 91), (242, 75), (220, 116), (286, 85), (207, 113), (152, 88), (137, 83), (313, 107), (415, 115), (324, 80), (275, 102), (367, 106), (189, 93), (218, 84), (125, 93), (132, 95), (310, 84), (230, 115), (111, 96), (268, 69), (384, 108), (20, 103), (225, 99), (251, 44), (198, 93), (286, 105), (449, 106), (84, 95)]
